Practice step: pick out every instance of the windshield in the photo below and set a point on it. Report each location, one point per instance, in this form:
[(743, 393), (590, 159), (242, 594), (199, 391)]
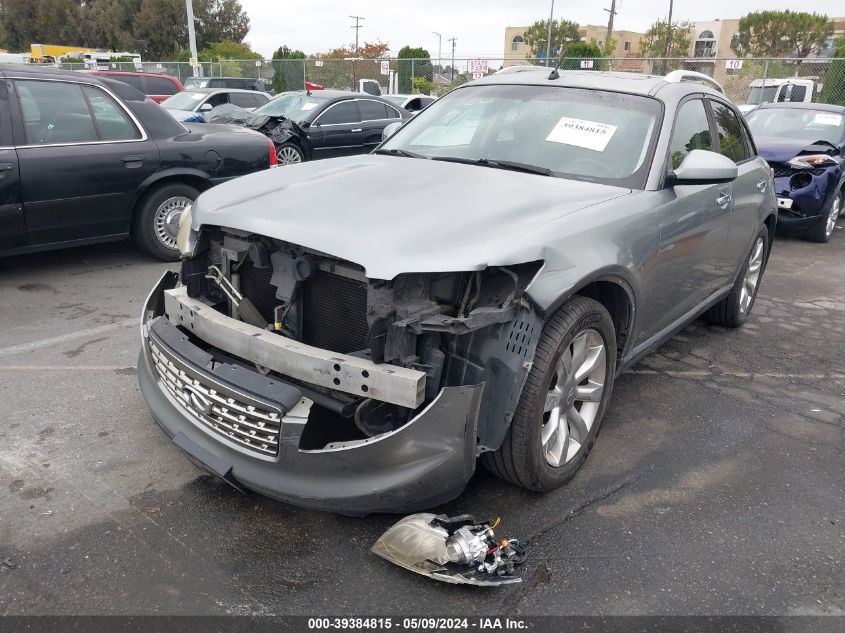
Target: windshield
[(293, 106), (196, 82), (582, 134), (760, 94), (798, 123), (185, 100)]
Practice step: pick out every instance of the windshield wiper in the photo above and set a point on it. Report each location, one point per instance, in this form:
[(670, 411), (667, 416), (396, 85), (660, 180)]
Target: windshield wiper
[(498, 164), (400, 152)]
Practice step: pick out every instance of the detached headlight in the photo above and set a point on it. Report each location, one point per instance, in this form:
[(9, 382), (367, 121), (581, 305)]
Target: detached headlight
[(186, 238), (812, 161)]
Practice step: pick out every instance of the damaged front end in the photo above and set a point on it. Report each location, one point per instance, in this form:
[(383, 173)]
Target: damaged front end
[(278, 129), (806, 183), (310, 382)]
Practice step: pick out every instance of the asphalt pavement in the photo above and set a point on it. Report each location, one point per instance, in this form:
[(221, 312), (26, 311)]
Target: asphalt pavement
[(716, 485)]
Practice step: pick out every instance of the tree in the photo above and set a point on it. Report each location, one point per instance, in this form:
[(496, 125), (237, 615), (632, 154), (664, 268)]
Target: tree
[(227, 49), (218, 21), (576, 51), (774, 33), (563, 32), (834, 81), (160, 25), (288, 74), (337, 72), (653, 43), (413, 63)]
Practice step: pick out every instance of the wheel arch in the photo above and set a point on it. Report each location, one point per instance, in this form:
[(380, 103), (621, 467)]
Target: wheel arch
[(195, 178), (771, 223), (611, 288)]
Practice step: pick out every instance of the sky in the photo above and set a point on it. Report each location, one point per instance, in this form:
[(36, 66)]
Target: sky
[(319, 25)]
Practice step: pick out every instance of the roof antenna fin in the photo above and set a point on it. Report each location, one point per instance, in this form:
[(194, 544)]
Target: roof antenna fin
[(554, 74)]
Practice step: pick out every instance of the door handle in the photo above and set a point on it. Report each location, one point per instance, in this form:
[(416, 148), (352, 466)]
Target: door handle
[(132, 161), (357, 129), (761, 186), (724, 200), (6, 166)]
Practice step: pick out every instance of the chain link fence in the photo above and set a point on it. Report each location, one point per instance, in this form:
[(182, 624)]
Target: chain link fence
[(744, 80)]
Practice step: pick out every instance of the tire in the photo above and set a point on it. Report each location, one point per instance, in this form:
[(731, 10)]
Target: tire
[(733, 310), (524, 459), (823, 230), (289, 154), (157, 219)]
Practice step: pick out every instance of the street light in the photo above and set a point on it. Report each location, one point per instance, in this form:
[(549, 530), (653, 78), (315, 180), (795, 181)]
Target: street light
[(549, 38), (439, 49), (192, 37)]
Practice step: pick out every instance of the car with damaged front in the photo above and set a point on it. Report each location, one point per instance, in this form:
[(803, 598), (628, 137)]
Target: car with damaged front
[(804, 144), (310, 125), (322, 348)]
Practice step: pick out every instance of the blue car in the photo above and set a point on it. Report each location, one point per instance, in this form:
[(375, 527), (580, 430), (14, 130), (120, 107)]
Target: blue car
[(804, 143)]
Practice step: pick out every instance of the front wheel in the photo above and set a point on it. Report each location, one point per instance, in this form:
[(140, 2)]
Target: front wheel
[(289, 154), (563, 401), (823, 230)]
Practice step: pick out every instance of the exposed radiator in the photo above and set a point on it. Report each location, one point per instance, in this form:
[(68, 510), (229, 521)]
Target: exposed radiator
[(334, 308), (335, 313)]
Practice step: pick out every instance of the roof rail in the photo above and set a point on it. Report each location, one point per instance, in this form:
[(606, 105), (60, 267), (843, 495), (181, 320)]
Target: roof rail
[(679, 76)]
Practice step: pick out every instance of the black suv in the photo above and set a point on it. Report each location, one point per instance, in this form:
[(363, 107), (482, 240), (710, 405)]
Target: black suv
[(89, 159)]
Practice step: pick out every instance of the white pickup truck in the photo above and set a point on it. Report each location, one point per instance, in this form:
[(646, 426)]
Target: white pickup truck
[(792, 89)]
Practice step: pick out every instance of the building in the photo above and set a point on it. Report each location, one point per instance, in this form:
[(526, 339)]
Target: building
[(516, 50)]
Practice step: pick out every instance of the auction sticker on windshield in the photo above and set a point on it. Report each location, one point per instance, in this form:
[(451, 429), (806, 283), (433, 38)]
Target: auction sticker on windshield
[(824, 118), (582, 133)]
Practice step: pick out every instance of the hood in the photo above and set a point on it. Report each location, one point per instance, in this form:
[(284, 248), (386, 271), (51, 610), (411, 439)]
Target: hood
[(781, 150), (397, 215)]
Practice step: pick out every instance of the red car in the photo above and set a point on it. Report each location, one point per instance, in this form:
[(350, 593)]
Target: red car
[(157, 87)]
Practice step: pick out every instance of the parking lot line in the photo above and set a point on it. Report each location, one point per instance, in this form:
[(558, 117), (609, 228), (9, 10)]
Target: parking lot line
[(62, 338)]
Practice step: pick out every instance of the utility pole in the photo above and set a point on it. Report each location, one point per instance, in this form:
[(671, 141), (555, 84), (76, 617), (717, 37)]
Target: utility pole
[(357, 28), (439, 49), (192, 36), (453, 40), (549, 37), (668, 32), (612, 12)]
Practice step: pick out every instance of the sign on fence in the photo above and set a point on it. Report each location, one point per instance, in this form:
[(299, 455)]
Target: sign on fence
[(586, 64), (478, 67), (385, 68), (733, 64), (318, 63)]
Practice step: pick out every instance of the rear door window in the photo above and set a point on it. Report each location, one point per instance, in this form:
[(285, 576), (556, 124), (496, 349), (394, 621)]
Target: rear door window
[(372, 110), (112, 122), (339, 114), (692, 131), (161, 86)]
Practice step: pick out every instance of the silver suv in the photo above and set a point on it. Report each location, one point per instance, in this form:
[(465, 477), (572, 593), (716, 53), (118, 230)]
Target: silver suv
[(353, 334)]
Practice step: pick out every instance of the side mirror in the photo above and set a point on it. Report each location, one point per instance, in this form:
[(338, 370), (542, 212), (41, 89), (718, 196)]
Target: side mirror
[(390, 130), (206, 107), (702, 167)]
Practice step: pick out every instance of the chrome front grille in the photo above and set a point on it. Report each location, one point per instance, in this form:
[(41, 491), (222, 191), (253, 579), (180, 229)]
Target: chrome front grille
[(239, 418)]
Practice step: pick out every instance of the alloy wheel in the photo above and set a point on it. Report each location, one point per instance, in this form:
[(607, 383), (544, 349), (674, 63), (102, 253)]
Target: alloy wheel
[(574, 397), (166, 219), (288, 156), (752, 276), (833, 216)]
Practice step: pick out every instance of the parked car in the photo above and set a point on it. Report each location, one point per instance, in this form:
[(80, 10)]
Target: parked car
[(412, 103), (241, 83), (370, 355), (189, 103), (156, 86), (90, 159), (805, 146), (307, 125)]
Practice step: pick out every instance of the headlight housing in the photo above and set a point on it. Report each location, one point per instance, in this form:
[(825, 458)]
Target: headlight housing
[(186, 238), (812, 161)]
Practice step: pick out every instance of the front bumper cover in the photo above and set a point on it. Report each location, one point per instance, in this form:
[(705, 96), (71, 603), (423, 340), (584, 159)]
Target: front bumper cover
[(426, 462)]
